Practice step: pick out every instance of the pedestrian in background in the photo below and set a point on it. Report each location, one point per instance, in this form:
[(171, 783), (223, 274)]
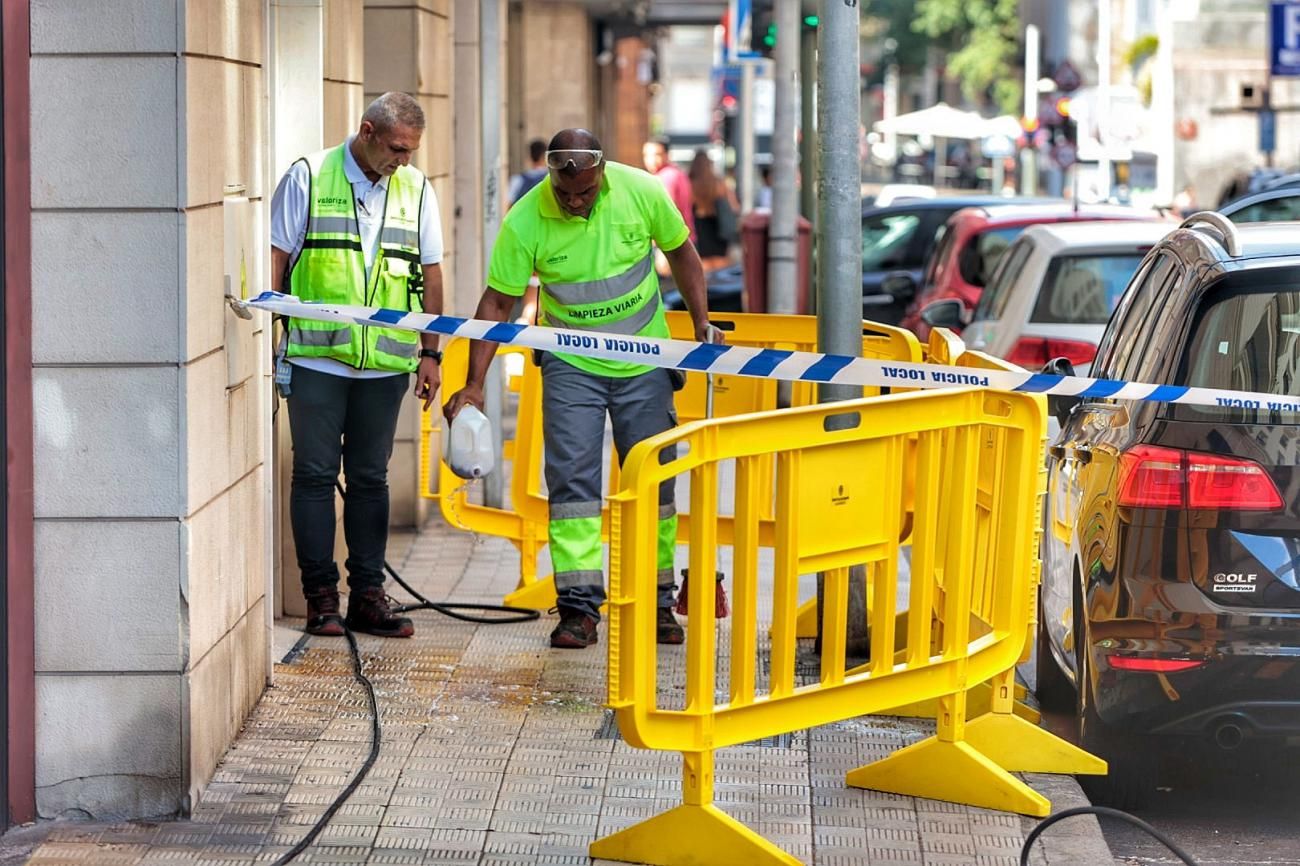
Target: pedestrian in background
[(715, 208), (587, 232), (654, 154), (531, 176), (355, 224)]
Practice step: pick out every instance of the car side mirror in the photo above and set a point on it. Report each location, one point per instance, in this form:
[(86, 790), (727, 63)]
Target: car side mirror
[(948, 313), (900, 285), (1060, 406)]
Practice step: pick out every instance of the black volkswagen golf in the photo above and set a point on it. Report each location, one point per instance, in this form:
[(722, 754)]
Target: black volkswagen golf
[(1170, 599)]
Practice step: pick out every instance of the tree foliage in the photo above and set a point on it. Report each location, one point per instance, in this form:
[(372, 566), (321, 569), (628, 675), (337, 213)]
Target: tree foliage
[(986, 39)]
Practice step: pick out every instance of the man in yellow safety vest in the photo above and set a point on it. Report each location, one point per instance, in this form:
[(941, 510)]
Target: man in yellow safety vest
[(355, 224), (587, 231)]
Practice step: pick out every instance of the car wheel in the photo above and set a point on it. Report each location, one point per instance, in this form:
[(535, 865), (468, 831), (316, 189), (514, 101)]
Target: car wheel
[(1054, 690), (1133, 763)]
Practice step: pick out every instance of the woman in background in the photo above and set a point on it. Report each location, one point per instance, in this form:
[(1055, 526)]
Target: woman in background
[(715, 207)]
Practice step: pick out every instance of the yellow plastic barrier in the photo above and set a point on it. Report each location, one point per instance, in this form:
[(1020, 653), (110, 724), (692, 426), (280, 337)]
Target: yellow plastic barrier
[(523, 519), (839, 503), (1003, 728)]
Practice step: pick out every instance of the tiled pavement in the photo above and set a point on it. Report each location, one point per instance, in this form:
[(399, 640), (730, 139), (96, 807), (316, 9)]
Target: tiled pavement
[(496, 750)]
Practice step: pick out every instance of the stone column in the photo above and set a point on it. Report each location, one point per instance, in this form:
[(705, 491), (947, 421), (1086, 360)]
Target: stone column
[(408, 47), (149, 499)]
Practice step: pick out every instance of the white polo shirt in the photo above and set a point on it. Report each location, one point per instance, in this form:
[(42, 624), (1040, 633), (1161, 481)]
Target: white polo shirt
[(289, 210)]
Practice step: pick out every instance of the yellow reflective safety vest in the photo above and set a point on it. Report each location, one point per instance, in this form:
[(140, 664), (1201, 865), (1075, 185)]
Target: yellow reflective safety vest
[(332, 269)]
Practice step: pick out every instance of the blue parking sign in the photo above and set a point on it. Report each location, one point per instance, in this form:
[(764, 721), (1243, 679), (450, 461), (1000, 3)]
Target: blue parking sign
[(1284, 47)]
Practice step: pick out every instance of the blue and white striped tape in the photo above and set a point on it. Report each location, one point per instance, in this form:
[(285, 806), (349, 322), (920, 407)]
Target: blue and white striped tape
[(766, 363)]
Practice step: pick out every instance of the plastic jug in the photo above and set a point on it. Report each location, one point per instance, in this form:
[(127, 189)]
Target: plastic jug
[(469, 444)]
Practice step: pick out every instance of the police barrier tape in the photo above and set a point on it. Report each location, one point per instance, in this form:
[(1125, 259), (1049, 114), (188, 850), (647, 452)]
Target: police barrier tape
[(767, 363)]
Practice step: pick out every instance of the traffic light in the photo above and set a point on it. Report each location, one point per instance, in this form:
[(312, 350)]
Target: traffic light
[(765, 35)]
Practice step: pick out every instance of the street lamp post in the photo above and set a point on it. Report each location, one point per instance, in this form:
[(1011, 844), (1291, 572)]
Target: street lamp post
[(839, 235)]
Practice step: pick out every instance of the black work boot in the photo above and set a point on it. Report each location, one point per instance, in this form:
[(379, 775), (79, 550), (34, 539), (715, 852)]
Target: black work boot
[(575, 631), (370, 612), (323, 616), (667, 629)]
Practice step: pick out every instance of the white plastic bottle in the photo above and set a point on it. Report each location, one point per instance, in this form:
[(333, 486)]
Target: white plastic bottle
[(469, 443)]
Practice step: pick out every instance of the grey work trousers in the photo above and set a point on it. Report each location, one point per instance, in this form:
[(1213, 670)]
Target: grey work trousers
[(574, 406)]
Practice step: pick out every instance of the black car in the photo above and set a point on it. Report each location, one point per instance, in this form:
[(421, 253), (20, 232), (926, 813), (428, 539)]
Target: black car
[(1274, 205), (1170, 598)]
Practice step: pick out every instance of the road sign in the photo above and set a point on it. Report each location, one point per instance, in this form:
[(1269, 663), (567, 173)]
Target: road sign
[(1067, 78), (1284, 37), (740, 30), (1267, 130)]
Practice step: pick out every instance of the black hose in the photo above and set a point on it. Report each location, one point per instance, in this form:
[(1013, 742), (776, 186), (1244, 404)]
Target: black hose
[(451, 609), (1106, 812), (505, 614), (347, 792)]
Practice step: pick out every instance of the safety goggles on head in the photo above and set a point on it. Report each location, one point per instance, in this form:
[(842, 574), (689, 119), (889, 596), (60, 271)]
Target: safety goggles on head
[(581, 160)]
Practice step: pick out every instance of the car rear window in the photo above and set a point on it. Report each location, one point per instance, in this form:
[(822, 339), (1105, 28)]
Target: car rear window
[(981, 254), (1244, 340), (1083, 290)]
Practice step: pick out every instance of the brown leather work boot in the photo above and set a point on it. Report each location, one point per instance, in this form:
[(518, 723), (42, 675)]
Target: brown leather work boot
[(667, 629), (575, 631), (323, 617), (369, 611)]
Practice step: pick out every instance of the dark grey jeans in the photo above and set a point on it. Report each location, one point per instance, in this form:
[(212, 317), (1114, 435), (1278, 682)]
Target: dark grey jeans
[(335, 420), (574, 406)]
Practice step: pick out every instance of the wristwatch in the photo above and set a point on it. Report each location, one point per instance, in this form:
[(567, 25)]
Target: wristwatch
[(431, 353)]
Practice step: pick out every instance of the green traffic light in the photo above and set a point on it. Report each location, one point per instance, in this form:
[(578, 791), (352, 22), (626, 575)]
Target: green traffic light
[(810, 20)]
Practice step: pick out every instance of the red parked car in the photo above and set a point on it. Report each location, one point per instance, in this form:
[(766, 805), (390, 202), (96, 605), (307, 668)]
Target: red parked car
[(973, 241)]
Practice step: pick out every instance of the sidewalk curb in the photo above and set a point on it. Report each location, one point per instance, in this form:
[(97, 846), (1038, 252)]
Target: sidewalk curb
[(1075, 841)]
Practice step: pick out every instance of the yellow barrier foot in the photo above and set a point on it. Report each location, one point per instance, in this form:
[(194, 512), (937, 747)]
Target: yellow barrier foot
[(691, 836), (1020, 747), (805, 624), (979, 701), (537, 595), (951, 771)]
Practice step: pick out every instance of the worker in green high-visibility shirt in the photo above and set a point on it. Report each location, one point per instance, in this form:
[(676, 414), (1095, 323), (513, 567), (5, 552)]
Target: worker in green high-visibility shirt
[(587, 231)]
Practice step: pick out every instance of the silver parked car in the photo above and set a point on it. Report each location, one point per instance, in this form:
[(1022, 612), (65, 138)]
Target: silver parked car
[(1054, 289)]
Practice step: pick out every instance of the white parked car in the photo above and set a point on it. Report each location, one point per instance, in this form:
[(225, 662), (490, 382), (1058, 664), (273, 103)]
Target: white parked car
[(896, 193), (1053, 291)]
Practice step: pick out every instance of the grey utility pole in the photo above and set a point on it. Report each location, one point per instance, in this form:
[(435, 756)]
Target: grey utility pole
[(808, 120), (491, 66), (747, 143), (782, 278), (839, 241), (839, 189)]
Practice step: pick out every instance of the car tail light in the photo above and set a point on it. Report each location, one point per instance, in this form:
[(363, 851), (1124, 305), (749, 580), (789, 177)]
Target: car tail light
[(1033, 352), (1227, 482), (1147, 665), (1152, 477)]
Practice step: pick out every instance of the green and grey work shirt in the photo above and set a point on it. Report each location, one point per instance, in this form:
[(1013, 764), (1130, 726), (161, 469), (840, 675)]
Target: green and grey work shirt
[(597, 274)]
